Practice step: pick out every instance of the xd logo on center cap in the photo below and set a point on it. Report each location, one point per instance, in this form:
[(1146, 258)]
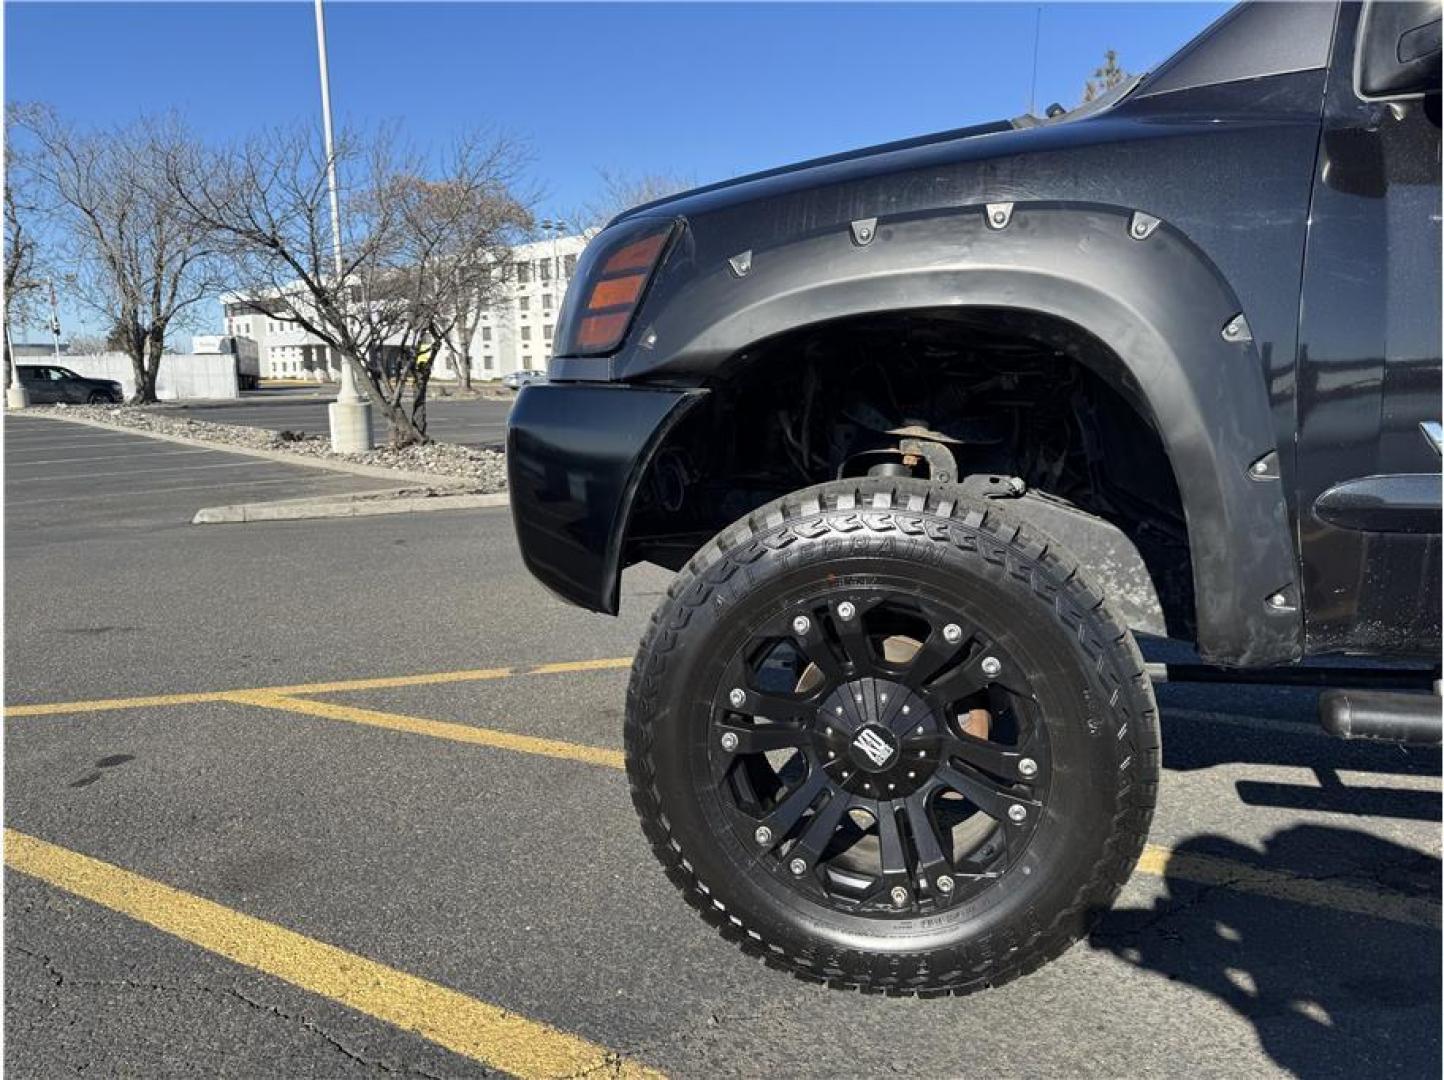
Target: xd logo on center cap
[(876, 746)]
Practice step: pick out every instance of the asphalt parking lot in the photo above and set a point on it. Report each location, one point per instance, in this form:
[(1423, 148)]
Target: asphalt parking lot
[(471, 422), (343, 797)]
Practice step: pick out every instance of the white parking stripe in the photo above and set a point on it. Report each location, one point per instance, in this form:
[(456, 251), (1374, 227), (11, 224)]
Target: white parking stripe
[(12, 444), (111, 457), (145, 472), (90, 496)]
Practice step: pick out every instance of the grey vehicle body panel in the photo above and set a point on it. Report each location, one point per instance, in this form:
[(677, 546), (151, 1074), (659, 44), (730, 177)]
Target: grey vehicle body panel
[(1229, 236), (1226, 166)]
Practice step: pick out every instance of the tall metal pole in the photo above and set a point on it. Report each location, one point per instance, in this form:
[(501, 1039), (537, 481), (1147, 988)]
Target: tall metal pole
[(1033, 83), (54, 320), (350, 415)]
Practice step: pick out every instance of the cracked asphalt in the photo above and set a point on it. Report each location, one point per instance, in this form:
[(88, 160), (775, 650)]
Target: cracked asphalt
[(1285, 923)]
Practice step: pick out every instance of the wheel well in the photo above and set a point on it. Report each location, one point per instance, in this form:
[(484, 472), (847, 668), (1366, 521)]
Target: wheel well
[(1008, 393)]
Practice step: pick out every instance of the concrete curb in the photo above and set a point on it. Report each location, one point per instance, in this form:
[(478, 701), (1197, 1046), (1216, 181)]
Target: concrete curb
[(381, 472), (304, 509)]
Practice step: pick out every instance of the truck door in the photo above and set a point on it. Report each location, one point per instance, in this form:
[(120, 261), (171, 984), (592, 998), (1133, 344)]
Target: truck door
[(1368, 395)]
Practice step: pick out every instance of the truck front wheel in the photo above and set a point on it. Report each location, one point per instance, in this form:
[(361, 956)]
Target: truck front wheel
[(884, 738)]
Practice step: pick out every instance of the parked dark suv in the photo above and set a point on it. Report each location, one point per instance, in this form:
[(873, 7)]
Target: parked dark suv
[(48, 384), (930, 430)]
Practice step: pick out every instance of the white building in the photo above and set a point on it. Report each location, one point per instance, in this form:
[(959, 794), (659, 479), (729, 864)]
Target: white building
[(516, 333)]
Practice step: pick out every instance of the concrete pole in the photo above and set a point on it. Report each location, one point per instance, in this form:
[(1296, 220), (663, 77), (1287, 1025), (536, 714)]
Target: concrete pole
[(350, 414), (16, 396)]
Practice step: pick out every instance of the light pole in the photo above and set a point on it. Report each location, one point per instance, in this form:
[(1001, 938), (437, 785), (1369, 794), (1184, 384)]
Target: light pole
[(556, 228), (350, 414), (54, 319), (16, 396)]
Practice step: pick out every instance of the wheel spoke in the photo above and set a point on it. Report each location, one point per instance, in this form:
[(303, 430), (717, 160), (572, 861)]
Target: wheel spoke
[(892, 853), (989, 797), (927, 844), (759, 739), (855, 644), (820, 655), (934, 655), (988, 756), (779, 707), (818, 831), (960, 682), (793, 805)]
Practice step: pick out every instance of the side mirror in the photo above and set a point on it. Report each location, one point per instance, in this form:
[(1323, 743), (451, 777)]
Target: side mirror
[(1399, 49)]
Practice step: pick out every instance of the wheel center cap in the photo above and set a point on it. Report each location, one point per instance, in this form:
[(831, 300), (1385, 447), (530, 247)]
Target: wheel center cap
[(874, 748)]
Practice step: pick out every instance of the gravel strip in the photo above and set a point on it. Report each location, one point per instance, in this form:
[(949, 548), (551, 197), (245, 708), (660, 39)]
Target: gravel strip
[(484, 470)]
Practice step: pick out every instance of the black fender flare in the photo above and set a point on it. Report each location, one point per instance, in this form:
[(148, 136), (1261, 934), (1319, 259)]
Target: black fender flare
[(1165, 315)]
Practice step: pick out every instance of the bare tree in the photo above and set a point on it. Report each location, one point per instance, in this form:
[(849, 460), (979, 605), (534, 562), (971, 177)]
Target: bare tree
[(23, 278), (402, 228), (618, 192), (136, 259), (461, 228), (1105, 78)]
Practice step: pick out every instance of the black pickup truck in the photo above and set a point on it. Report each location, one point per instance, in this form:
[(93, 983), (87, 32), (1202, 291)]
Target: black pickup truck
[(932, 430)]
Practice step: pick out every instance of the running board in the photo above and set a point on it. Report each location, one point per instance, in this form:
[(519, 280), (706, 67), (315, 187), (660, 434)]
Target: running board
[(1415, 719), (1360, 678)]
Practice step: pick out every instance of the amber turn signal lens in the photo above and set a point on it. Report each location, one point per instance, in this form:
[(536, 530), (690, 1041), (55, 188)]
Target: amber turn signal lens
[(638, 255), (602, 331), (614, 291)]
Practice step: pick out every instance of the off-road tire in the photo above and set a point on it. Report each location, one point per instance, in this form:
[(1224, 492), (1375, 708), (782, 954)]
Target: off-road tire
[(1089, 681)]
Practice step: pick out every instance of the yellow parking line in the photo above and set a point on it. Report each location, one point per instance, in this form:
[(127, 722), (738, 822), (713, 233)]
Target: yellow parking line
[(1156, 861), (56, 708), (475, 1029), (436, 729)]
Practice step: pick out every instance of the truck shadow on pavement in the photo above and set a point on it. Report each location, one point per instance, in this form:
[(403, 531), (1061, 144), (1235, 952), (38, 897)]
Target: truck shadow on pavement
[(1329, 993)]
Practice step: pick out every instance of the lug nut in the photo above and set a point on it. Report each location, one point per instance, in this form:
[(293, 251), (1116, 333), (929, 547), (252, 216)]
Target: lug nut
[(763, 835), (944, 884), (999, 217), (801, 625), (907, 709), (738, 697), (838, 709), (952, 633), (1018, 812), (1260, 467), (899, 896), (1027, 767), (1277, 600), (991, 666), (798, 867), (845, 610), (729, 741)]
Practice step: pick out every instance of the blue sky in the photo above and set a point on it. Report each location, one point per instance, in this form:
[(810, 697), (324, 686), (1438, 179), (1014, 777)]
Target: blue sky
[(700, 90)]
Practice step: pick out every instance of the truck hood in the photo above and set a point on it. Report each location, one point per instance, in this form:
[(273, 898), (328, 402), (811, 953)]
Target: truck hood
[(806, 173)]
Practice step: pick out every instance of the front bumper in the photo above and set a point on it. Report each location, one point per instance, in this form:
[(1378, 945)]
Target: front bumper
[(575, 455)]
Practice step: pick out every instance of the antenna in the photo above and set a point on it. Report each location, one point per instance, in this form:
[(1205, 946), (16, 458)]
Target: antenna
[(1037, 32)]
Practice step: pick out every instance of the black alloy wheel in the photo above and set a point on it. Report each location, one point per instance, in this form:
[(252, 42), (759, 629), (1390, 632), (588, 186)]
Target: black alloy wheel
[(885, 738), (903, 735)]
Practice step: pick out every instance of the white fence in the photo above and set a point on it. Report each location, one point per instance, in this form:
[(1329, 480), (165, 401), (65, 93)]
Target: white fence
[(183, 376)]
